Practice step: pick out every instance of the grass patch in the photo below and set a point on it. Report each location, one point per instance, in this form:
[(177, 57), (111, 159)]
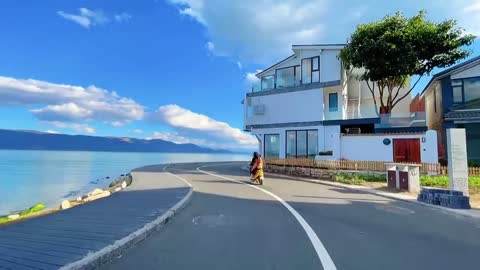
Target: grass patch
[(444, 182), (359, 178), (24, 214), (425, 180)]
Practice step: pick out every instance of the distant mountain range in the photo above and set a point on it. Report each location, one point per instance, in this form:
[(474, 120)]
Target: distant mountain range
[(35, 140)]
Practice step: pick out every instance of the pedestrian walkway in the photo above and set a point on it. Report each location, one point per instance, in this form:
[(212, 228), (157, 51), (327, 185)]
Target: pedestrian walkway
[(60, 239)]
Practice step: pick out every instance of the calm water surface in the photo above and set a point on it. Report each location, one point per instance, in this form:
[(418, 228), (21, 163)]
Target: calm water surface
[(31, 177)]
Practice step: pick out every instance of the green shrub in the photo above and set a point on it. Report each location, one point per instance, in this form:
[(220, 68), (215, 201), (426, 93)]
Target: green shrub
[(443, 181), (33, 209), (359, 178)]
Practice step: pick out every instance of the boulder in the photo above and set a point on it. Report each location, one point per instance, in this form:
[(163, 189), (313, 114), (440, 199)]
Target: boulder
[(103, 194), (95, 192), (117, 189), (79, 199), (124, 184), (13, 217), (65, 204)]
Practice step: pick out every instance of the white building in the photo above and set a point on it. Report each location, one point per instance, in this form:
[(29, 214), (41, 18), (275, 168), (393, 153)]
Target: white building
[(308, 105)]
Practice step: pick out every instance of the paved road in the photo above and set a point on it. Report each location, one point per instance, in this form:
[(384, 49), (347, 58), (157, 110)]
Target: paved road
[(53, 241), (230, 225)]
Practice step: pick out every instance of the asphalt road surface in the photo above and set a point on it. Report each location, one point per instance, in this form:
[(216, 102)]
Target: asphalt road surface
[(288, 224)]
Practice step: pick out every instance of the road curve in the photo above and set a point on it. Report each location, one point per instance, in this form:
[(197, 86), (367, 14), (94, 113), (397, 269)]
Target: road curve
[(288, 224)]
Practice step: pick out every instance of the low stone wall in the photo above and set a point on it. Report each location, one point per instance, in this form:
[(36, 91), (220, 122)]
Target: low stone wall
[(323, 174)]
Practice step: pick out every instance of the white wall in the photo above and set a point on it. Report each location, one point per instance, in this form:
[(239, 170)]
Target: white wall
[(332, 141), (371, 147), (471, 72), (330, 66), (301, 106)]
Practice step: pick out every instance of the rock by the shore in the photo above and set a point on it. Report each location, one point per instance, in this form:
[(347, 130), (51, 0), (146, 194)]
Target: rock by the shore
[(95, 192), (13, 217), (65, 204), (124, 184), (103, 194), (117, 189)]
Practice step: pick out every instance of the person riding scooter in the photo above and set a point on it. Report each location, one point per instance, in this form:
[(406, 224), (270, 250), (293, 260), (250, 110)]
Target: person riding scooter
[(256, 169)]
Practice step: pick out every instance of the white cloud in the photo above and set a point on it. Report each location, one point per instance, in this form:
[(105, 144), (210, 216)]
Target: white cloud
[(251, 78), (64, 112), (68, 102), (85, 17), (176, 138), (201, 129), (118, 124), (88, 18), (262, 31), (81, 128), (137, 131), (210, 46), (52, 131), (239, 64), (123, 17)]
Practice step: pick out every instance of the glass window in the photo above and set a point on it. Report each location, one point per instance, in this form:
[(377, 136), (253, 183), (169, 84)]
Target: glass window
[(268, 82), (333, 102), (301, 144), (291, 143), (457, 94), (456, 82), (312, 141), (315, 76), (272, 146), (471, 90), (315, 65), (286, 77), (306, 70)]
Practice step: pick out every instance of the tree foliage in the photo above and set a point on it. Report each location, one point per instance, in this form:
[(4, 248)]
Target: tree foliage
[(394, 49)]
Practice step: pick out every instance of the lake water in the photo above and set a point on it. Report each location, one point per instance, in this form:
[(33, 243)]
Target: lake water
[(31, 177)]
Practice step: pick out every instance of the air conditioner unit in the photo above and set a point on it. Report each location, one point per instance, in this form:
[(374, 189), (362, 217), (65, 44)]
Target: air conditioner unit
[(259, 109)]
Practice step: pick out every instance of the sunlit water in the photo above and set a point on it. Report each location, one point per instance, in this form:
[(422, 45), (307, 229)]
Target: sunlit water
[(31, 177)]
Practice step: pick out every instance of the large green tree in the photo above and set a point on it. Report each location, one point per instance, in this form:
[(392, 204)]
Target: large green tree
[(391, 51)]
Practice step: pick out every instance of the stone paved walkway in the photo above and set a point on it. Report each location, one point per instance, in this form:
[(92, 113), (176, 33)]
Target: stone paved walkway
[(53, 241)]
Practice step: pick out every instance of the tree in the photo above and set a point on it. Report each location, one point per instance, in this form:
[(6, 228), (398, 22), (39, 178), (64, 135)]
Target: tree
[(392, 50)]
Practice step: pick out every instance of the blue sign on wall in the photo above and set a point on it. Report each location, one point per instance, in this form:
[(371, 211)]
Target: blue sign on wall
[(386, 141)]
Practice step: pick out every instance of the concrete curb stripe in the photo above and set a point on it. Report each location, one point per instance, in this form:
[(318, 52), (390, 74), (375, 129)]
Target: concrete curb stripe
[(320, 249), (106, 254)]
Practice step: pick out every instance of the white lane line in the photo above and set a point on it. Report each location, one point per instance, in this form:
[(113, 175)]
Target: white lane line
[(322, 252), (179, 177)]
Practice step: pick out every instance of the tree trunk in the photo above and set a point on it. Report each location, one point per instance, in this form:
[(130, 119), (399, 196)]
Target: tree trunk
[(385, 109)]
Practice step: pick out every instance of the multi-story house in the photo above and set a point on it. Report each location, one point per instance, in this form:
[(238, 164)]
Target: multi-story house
[(452, 100), (309, 105)]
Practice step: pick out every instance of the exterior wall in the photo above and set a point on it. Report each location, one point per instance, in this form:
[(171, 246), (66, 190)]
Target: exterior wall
[(468, 73), (301, 106), (331, 141), (330, 66), (371, 147), (433, 98), (335, 115), (418, 104)]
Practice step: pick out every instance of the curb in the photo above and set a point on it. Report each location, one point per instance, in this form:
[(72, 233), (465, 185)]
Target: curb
[(463, 213), (108, 253)]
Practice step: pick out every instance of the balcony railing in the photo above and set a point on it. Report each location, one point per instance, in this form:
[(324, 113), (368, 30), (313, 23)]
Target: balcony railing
[(276, 82), (416, 119)]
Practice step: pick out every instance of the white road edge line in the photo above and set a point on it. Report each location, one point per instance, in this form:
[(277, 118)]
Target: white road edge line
[(322, 252), (179, 177)]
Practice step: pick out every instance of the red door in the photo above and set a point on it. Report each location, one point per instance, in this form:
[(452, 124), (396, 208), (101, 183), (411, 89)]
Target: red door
[(406, 150)]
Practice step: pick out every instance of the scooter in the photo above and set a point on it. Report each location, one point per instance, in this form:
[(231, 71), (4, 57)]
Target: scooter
[(258, 180)]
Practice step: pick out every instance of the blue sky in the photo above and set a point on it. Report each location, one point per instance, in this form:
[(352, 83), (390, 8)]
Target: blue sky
[(170, 69)]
